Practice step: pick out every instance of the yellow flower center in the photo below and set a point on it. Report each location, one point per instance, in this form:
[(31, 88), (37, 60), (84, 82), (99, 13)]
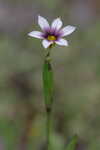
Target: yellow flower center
[(51, 38)]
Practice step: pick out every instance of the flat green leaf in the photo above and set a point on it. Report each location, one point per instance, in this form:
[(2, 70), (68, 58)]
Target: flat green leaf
[(48, 83), (73, 143)]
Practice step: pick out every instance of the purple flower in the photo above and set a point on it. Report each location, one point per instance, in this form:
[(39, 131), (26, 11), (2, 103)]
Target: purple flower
[(52, 34)]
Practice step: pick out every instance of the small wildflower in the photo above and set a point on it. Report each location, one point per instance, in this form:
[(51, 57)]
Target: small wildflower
[(52, 34)]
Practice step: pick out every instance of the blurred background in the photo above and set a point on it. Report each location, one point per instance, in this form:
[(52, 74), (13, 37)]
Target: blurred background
[(76, 68)]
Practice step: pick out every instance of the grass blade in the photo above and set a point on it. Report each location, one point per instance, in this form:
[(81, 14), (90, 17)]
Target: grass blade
[(73, 143)]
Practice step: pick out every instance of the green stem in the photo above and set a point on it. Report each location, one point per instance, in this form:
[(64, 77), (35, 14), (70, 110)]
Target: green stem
[(48, 110), (48, 130), (48, 94)]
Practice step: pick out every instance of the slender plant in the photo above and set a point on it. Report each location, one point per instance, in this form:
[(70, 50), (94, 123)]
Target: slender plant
[(50, 36)]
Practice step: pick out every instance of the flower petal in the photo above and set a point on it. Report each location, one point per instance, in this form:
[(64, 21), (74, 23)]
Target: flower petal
[(67, 30), (36, 34), (43, 23), (46, 43), (62, 42), (57, 24)]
